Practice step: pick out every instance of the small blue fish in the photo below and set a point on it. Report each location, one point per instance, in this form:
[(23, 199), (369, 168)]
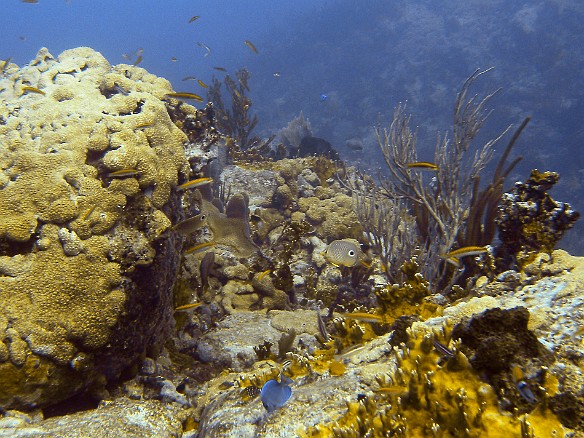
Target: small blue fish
[(275, 394), (323, 97), (525, 391)]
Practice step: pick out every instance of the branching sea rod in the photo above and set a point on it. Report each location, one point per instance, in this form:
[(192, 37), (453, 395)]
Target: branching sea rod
[(415, 213)]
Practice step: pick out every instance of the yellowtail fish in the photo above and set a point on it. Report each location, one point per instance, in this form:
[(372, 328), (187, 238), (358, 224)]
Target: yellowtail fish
[(144, 125), (29, 1), (173, 59), (200, 247), (390, 391), (138, 60), (345, 252), (194, 183), (191, 224), (220, 69), (5, 64), (423, 165), (202, 84), (185, 96), (194, 18), (186, 307), (206, 47), (189, 78), (27, 89), (86, 216), (122, 173), (263, 274), (363, 316), (466, 251), (249, 44)]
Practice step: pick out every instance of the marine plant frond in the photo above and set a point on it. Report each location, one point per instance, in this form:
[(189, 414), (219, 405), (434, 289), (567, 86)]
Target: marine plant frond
[(234, 117), (449, 209)]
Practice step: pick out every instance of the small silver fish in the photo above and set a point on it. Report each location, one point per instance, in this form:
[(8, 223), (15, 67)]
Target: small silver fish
[(345, 252)]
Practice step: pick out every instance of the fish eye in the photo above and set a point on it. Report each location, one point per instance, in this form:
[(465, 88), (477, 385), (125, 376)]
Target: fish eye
[(203, 217), (351, 253)]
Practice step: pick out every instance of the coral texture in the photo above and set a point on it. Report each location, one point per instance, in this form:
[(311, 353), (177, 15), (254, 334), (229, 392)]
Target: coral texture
[(86, 268)]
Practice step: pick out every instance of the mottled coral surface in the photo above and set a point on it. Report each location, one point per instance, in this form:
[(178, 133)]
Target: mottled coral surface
[(83, 286)]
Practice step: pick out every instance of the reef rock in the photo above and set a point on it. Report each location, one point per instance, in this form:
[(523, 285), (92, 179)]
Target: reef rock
[(530, 331), (88, 160), (124, 417)]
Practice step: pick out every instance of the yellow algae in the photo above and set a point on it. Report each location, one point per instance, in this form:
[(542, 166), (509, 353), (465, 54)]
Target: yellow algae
[(423, 398)]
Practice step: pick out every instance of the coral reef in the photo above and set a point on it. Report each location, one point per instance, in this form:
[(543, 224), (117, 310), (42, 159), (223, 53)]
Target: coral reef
[(530, 221), (86, 266), (163, 269), (419, 389)]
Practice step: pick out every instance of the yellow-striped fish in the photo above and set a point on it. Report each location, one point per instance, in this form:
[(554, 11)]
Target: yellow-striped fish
[(200, 247), (423, 165), (186, 307), (138, 61), (194, 18), (5, 64), (185, 96), (194, 183), (363, 316), (144, 125), (122, 173), (454, 261), (263, 274), (27, 89), (466, 251), (202, 84), (86, 216), (344, 252)]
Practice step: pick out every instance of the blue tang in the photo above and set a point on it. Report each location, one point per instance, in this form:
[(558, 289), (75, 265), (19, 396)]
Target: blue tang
[(275, 394)]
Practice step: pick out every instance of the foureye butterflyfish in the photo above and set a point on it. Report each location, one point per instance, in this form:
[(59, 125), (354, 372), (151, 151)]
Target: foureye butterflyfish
[(345, 252)]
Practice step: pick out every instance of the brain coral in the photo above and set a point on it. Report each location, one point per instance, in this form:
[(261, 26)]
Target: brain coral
[(86, 268)]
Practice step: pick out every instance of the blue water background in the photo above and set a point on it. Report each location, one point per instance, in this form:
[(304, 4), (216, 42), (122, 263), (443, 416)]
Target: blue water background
[(366, 56)]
